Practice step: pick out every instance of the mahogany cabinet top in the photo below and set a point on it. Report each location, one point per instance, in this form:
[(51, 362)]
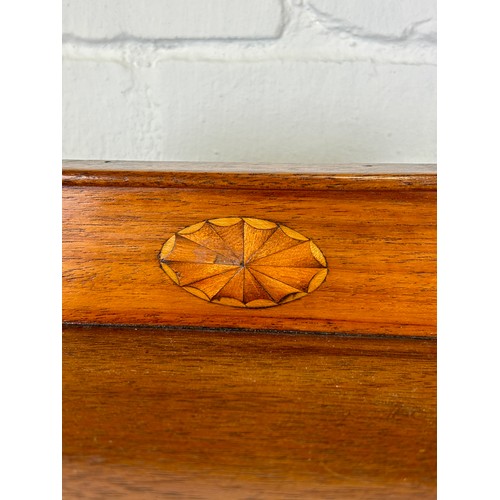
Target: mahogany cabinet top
[(346, 177)]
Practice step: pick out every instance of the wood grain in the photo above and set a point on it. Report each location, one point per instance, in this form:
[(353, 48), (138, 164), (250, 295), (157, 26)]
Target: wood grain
[(384, 177), (379, 243), (152, 413)]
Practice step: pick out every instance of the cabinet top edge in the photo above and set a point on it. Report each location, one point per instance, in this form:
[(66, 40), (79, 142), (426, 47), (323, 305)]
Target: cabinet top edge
[(208, 175)]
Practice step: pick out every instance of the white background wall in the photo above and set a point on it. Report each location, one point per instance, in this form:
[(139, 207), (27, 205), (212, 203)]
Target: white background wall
[(301, 81)]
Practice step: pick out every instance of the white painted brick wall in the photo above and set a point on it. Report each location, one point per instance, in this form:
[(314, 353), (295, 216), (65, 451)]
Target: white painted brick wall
[(312, 81), (172, 19)]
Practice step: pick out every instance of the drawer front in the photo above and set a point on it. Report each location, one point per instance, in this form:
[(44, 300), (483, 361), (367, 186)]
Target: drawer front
[(379, 248)]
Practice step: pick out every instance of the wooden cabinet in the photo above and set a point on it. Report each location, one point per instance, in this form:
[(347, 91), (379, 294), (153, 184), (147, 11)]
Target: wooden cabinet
[(191, 370)]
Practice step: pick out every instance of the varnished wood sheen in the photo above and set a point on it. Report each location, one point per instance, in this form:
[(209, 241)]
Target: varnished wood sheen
[(375, 225), (151, 413), (386, 177)]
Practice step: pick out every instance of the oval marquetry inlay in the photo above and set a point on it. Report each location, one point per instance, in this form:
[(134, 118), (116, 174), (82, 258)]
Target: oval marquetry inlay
[(243, 262)]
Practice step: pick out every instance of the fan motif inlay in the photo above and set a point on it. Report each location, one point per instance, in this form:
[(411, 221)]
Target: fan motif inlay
[(243, 262)]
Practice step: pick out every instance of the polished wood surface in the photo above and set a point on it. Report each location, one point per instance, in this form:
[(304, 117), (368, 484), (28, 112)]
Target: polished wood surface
[(344, 177), (154, 413), (379, 241)]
